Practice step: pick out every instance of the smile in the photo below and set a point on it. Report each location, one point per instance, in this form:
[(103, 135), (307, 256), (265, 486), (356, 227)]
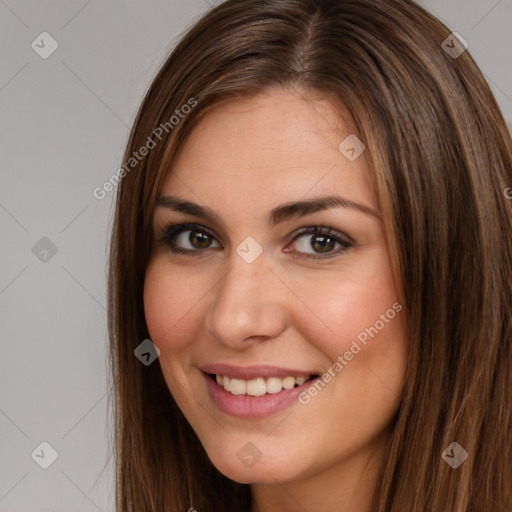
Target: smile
[(254, 392), (259, 386)]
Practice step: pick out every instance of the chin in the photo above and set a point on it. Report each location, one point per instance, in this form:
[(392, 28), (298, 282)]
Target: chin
[(241, 460), (260, 473)]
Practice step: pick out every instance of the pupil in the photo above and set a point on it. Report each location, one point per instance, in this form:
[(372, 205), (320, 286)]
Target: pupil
[(323, 243), (199, 240)]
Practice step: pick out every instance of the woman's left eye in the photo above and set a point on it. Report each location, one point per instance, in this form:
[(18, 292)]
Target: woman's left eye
[(322, 241), (191, 239)]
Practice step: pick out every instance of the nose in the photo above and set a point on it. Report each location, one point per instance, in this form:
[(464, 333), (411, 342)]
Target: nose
[(247, 305)]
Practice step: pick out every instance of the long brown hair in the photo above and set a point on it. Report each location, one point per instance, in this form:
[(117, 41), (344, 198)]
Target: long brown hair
[(440, 157)]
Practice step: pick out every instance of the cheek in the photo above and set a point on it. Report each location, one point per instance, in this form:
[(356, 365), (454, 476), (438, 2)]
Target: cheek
[(339, 310), (169, 301)]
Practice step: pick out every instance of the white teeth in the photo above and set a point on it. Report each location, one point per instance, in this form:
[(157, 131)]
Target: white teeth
[(274, 385), (256, 387), (238, 386), (259, 386), (288, 382)]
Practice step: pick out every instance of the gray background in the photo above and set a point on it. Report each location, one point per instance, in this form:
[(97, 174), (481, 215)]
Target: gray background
[(65, 121)]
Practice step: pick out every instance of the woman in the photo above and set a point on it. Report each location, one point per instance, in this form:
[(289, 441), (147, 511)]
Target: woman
[(313, 230)]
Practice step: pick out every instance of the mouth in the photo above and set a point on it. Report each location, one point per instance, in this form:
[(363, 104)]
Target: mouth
[(255, 392), (260, 386)]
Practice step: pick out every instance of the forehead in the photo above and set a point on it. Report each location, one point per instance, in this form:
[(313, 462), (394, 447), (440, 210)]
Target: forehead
[(278, 146)]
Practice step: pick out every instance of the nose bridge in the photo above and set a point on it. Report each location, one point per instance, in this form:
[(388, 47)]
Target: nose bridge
[(245, 303)]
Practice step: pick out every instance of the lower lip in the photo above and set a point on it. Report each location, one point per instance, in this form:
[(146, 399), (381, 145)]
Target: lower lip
[(251, 407)]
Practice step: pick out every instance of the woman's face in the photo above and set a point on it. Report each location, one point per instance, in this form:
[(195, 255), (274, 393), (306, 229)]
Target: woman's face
[(262, 299)]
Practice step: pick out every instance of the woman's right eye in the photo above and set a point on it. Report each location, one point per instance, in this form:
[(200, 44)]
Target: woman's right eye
[(188, 238)]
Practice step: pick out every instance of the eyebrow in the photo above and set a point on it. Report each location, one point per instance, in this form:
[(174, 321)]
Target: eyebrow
[(276, 215)]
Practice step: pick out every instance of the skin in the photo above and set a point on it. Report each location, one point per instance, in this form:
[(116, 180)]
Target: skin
[(244, 158)]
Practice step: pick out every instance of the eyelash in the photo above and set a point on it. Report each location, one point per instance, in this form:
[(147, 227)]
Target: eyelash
[(170, 232)]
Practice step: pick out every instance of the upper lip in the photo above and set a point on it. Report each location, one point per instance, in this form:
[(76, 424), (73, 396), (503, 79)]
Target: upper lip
[(253, 372)]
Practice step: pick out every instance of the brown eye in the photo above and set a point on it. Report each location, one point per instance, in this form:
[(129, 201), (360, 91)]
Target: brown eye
[(188, 238), (199, 240), (323, 243), (319, 242)]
